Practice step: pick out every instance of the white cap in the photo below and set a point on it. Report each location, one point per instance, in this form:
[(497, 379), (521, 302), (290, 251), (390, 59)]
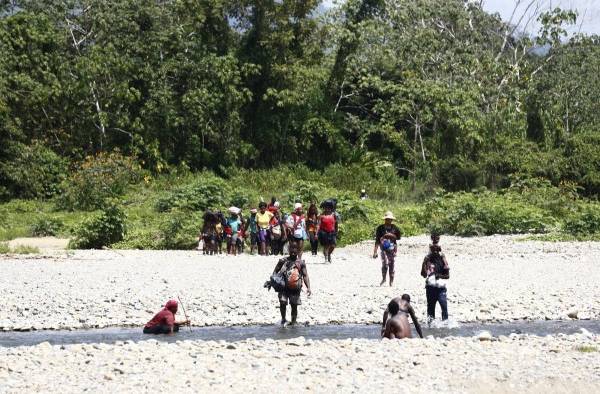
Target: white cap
[(234, 210), (276, 205), (297, 206)]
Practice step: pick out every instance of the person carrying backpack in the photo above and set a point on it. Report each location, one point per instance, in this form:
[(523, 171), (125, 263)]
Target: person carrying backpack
[(328, 228), (436, 272), (294, 272), (296, 227)]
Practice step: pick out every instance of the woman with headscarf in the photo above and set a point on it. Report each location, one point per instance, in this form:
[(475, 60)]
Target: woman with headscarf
[(164, 321)]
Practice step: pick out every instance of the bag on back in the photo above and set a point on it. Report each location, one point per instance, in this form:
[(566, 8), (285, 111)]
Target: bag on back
[(293, 277)]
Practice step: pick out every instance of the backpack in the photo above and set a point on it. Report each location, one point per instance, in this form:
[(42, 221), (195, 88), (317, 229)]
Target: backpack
[(277, 281), (276, 229), (293, 276)]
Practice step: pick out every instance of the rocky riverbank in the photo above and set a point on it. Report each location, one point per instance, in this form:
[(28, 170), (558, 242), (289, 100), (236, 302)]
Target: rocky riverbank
[(517, 363), (492, 278)]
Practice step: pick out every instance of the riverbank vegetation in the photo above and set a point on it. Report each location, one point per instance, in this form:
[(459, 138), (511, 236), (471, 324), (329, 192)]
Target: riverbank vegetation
[(120, 122)]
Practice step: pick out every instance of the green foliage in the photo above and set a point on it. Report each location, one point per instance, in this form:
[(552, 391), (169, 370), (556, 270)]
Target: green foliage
[(455, 98), (19, 249), (207, 191), (46, 226), (97, 179), (25, 249), (586, 349), (585, 222), (33, 171), (484, 213), (100, 230), (179, 230), (304, 192)]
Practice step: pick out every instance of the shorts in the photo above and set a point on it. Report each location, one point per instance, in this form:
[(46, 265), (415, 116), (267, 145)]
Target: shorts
[(327, 238), (263, 235), (289, 297), (253, 239)]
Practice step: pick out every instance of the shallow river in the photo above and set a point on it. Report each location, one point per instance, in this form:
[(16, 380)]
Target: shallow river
[(316, 332)]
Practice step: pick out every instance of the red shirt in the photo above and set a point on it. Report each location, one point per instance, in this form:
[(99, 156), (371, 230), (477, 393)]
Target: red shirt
[(328, 223), (165, 317)]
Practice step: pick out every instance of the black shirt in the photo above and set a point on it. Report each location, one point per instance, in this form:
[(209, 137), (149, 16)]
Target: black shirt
[(384, 229)]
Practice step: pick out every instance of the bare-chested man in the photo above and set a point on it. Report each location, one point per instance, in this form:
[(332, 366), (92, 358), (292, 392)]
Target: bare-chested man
[(398, 326)]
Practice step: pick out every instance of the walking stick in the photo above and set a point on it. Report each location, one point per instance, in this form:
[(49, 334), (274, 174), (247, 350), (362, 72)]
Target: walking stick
[(185, 314)]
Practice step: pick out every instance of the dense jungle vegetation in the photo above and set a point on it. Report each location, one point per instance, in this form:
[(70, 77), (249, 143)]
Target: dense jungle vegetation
[(146, 112)]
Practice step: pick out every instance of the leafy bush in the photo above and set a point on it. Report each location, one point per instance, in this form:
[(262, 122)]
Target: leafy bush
[(585, 222), (34, 171), (304, 192), (143, 239), (179, 231), (484, 213), (4, 248), (458, 174), (97, 179), (206, 192), (240, 199), (46, 226), (103, 229)]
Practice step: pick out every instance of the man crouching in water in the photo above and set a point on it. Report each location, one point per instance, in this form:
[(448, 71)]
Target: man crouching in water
[(164, 321), (295, 272), (398, 326)]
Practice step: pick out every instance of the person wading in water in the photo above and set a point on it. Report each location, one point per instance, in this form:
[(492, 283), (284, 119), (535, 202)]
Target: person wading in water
[(399, 309), (436, 272), (296, 274), (386, 238), (164, 321)]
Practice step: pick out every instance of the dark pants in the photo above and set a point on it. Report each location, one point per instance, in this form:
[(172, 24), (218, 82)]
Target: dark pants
[(314, 242), (160, 329), (436, 294)]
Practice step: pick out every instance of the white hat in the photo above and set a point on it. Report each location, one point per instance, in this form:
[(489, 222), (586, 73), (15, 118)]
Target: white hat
[(276, 205), (389, 215), (253, 210), (234, 210), (297, 206)]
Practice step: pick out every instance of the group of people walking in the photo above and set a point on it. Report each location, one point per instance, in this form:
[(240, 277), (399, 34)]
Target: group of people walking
[(267, 229), (290, 273)]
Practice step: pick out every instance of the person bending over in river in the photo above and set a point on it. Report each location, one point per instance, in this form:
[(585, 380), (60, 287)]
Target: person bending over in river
[(164, 321), (405, 309)]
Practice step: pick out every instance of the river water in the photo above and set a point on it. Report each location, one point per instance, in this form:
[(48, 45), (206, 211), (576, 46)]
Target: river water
[(316, 332)]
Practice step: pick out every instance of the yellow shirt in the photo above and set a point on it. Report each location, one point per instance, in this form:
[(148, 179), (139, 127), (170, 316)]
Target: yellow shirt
[(263, 219)]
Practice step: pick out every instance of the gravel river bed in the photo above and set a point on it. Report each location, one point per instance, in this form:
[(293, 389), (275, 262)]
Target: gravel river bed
[(492, 279)]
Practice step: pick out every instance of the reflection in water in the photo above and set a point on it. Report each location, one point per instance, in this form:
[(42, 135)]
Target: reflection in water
[(317, 332)]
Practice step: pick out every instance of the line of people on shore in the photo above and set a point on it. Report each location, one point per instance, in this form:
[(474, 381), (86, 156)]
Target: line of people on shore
[(267, 229)]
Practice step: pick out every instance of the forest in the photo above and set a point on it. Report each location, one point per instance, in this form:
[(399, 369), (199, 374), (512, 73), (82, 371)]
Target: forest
[(432, 95)]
